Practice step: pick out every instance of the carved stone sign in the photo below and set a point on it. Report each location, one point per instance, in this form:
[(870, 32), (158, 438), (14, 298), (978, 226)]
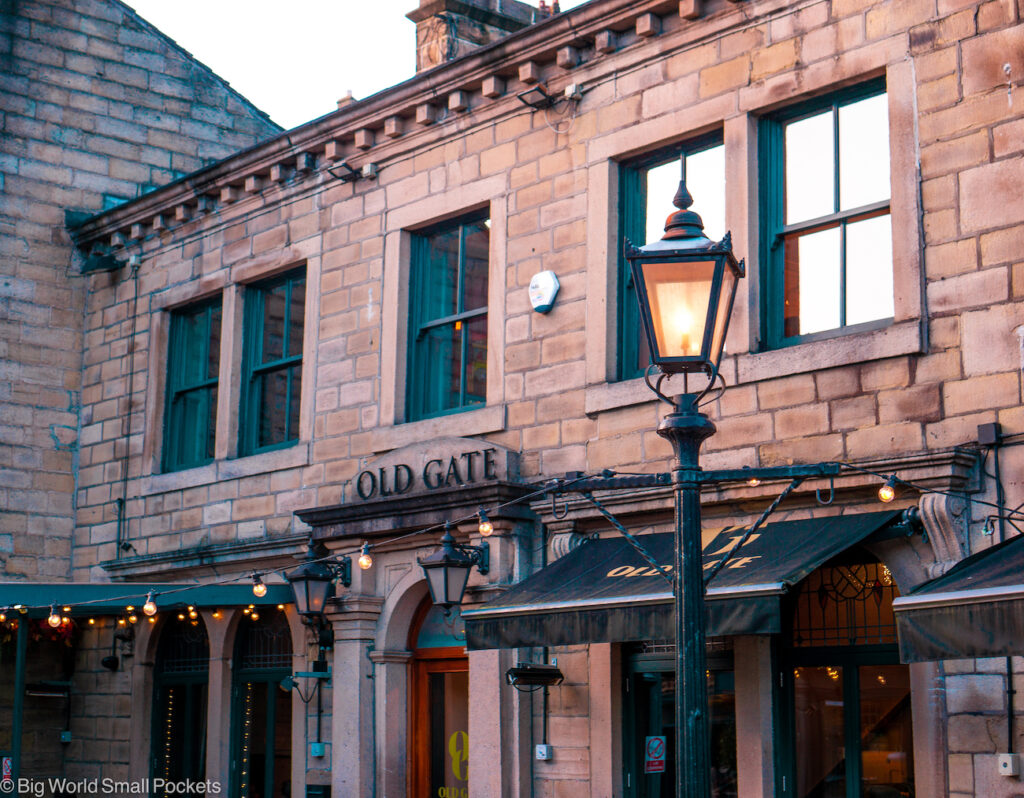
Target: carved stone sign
[(436, 464)]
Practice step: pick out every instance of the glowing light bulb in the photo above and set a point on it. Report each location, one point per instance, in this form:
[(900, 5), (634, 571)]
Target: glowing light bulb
[(133, 618), (217, 615), (254, 615), (54, 618), (365, 560), (753, 482), (150, 606), (486, 527), (887, 492), (683, 323), (258, 588)]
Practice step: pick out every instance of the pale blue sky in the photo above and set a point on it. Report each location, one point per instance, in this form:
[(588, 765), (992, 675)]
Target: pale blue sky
[(294, 60)]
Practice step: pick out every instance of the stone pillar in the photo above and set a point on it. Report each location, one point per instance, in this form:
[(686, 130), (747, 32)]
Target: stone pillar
[(141, 700), (218, 702), (354, 620), (929, 719), (391, 683), (755, 756), (605, 720), (498, 728)]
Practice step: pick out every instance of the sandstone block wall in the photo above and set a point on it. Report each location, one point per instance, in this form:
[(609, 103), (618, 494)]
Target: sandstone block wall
[(96, 108)]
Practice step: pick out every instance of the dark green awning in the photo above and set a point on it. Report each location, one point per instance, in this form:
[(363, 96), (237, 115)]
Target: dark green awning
[(89, 598), (604, 591), (974, 610)]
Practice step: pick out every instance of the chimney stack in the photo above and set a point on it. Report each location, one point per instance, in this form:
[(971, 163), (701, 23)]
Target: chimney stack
[(447, 29)]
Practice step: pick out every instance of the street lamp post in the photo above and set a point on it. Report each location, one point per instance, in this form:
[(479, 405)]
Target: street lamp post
[(686, 285)]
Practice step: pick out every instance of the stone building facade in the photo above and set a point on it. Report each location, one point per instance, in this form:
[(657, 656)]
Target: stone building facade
[(281, 365), (99, 107)]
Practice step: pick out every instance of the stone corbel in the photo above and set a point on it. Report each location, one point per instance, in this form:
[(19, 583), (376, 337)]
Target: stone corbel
[(563, 538), (943, 519)]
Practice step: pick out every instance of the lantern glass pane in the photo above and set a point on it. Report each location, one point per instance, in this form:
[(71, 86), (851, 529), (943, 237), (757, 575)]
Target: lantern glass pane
[(679, 294), (438, 585), (457, 578), (317, 592), (722, 314)]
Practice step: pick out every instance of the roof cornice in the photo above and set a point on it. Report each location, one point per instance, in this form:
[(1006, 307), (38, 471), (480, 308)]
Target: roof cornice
[(329, 138)]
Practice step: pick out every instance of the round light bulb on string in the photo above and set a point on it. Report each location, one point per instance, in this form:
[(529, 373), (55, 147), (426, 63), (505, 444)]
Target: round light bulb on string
[(66, 610), (193, 614), (133, 618), (150, 606), (217, 615), (887, 492), (486, 528), (254, 615), (92, 622), (3, 617), (365, 560), (53, 619), (753, 482), (258, 588), (181, 616)]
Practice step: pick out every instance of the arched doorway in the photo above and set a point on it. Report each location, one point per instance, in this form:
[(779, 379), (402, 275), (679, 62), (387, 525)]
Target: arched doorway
[(180, 681), (848, 717), (261, 719), (439, 705)]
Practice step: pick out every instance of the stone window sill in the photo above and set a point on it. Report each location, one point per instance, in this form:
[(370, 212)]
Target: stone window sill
[(220, 470), (462, 425), (898, 339)]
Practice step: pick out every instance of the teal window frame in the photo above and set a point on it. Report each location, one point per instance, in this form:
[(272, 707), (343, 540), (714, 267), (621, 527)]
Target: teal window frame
[(425, 375), (190, 425), (772, 177), (255, 368), (633, 226)]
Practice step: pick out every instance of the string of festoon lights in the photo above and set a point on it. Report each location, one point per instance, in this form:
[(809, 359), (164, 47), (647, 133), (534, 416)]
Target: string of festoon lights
[(60, 616)]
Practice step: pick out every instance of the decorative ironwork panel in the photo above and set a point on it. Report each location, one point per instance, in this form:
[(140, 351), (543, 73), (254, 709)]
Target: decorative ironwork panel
[(845, 605), (183, 647), (265, 643)]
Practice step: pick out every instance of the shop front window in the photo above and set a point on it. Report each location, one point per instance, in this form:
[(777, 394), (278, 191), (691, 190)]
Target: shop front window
[(850, 715), (261, 763), (179, 702), (650, 720), (439, 737)]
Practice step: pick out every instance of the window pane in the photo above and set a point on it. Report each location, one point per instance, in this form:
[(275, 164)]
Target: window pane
[(869, 289), (705, 179), (820, 745), (440, 296), (810, 168), (863, 152), (296, 317), (662, 184), (273, 387), (476, 361), (441, 348), (273, 322), (887, 749), (812, 282), (474, 281)]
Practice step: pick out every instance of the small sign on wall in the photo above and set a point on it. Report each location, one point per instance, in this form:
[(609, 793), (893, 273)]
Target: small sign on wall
[(654, 755)]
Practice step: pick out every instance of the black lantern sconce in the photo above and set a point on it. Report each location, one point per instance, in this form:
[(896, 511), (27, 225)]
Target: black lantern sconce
[(313, 584), (686, 285), (447, 570)]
